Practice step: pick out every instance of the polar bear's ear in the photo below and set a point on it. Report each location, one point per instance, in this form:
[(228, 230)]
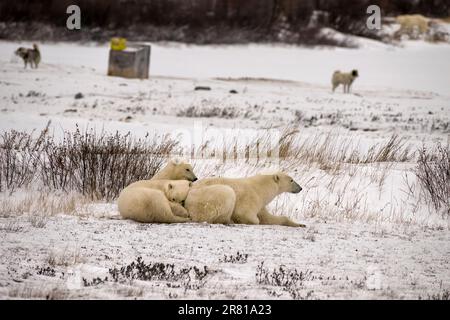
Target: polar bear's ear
[(176, 161), (276, 178)]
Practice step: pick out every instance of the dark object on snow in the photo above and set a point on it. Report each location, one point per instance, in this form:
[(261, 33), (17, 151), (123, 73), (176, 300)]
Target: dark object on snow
[(233, 91), (132, 62), (202, 88), (79, 95), (71, 110)]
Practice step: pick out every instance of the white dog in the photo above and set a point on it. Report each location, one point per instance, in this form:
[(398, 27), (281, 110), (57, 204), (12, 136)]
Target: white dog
[(346, 79)]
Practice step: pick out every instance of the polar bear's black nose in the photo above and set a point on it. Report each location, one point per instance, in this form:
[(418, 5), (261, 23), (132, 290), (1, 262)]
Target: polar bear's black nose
[(195, 179), (182, 203), (297, 188)]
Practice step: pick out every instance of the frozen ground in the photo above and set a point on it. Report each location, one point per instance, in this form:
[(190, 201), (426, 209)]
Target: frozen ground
[(369, 234), (340, 261)]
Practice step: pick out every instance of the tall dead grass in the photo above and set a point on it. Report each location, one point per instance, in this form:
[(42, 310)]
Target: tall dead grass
[(98, 165), (328, 149), (433, 174)]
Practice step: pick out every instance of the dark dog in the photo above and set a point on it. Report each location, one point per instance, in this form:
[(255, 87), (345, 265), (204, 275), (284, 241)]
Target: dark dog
[(31, 56)]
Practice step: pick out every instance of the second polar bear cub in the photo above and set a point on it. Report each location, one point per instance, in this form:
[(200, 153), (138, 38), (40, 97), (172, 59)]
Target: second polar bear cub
[(155, 201), (346, 79), (211, 204)]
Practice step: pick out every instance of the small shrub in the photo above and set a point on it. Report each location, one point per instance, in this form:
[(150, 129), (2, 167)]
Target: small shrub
[(237, 258), (433, 174), (210, 112), (19, 155), (444, 295), (290, 280), (46, 271), (95, 165), (281, 277), (94, 282), (139, 270)]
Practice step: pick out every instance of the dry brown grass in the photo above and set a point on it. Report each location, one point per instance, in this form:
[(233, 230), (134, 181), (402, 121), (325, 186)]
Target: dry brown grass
[(98, 165), (66, 257), (433, 174), (328, 151), (39, 292), (41, 205)]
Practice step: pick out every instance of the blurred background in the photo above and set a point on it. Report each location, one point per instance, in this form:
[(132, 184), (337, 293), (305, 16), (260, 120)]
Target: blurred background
[(207, 21)]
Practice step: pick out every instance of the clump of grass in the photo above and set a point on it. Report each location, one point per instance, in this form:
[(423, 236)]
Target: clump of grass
[(290, 280), (98, 165), (46, 271), (39, 292), (42, 205), (38, 221), (64, 258), (433, 174), (189, 278), (327, 148), (209, 112), (139, 270), (444, 295), (94, 282), (19, 156), (101, 165), (281, 276), (237, 258), (11, 226)]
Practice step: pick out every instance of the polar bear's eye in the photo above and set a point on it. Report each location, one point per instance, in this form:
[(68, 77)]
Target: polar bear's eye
[(188, 170), (292, 180)]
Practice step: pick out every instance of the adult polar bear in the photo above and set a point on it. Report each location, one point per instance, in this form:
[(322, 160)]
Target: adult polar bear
[(252, 195)]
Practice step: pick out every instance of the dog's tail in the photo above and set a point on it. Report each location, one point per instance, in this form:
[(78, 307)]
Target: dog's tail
[(38, 53)]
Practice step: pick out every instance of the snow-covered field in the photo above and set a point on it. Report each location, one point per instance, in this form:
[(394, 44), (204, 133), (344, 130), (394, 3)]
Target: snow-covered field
[(369, 234)]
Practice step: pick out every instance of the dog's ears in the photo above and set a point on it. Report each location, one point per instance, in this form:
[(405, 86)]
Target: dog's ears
[(276, 178)]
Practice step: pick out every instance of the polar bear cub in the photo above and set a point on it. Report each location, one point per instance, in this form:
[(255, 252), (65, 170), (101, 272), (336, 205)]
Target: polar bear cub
[(212, 204), (155, 201)]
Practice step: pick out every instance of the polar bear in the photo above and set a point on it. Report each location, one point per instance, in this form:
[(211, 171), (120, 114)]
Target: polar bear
[(212, 204), (413, 25), (176, 169), (253, 194), (155, 201)]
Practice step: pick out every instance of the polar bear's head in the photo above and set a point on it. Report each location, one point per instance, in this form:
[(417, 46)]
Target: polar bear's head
[(177, 190), (286, 183), (180, 170)]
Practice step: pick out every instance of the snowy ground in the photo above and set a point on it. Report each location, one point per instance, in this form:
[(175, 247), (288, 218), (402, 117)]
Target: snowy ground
[(367, 236)]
